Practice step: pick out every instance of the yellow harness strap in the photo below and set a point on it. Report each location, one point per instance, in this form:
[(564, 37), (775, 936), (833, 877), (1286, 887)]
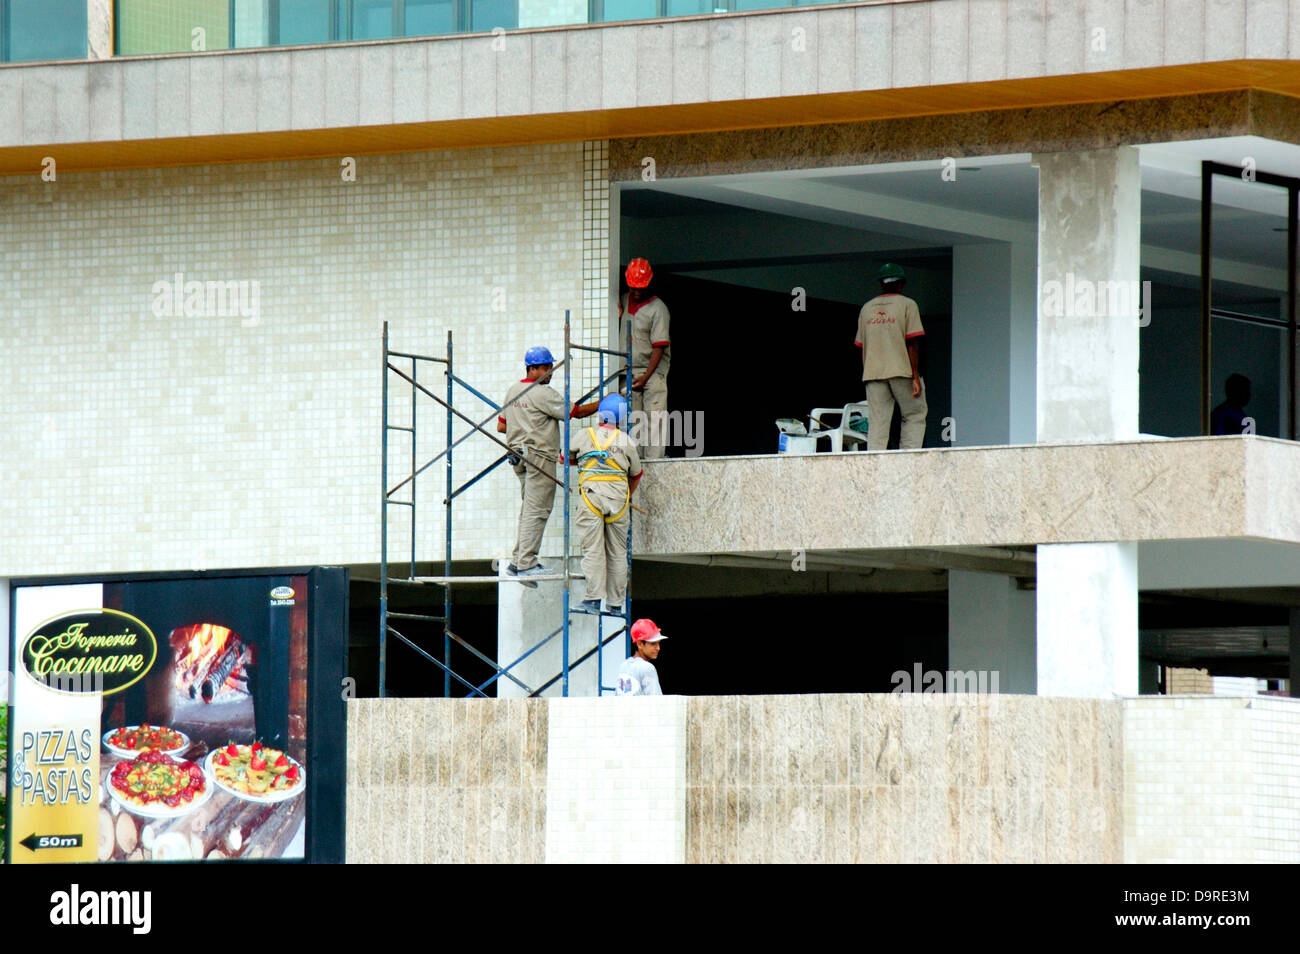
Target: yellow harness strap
[(601, 466)]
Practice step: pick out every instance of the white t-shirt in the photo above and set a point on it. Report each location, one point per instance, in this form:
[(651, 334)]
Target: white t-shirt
[(637, 677)]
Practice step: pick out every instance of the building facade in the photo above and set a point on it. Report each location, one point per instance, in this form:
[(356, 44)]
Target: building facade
[(1096, 205)]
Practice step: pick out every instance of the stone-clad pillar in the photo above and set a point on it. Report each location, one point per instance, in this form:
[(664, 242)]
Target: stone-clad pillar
[(1089, 242), (99, 29)]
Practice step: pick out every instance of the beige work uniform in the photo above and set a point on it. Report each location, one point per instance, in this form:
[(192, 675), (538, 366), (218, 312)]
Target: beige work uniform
[(649, 331), (533, 431), (885, 325), (602, 517)]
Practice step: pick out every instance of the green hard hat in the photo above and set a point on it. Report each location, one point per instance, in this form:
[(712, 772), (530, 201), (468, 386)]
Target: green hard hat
[(890, 272)]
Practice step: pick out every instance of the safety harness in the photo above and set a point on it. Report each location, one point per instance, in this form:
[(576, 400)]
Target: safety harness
[(600, 466)]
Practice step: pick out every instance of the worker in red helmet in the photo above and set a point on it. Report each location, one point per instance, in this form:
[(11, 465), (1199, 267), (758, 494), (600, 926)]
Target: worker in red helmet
[(651, 355), (638, 676), (530, 418)]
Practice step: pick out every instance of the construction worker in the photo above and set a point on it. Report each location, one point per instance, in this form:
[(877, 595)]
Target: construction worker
[(638, 676), (650, 356), (530, 419), (609, 469), (889, 330)]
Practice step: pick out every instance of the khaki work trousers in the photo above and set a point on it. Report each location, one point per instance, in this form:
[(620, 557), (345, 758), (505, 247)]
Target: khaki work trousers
[(604, 545), (538, 492), (881, 396), (651, 433)]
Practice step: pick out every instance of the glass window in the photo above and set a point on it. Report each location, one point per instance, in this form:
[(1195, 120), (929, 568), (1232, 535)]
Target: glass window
[(172, 26), (304, 21), (689, 8), (760, 4), (488, 14), (371, 20), (631, 9), (429, 17), (46, 29)]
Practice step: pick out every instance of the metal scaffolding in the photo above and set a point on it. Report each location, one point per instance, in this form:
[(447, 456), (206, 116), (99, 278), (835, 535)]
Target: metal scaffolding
[(447, 580)]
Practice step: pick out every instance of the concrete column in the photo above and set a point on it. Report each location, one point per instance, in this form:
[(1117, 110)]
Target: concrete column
[(526, 616), (1024, 343), (99, 29), (1089, 205), (1087, 620), (991, 628), (1295, 654), (1089, 245), (994, 287)]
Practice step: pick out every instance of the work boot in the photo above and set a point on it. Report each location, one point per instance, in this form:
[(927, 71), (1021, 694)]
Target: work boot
[(590, 606), (514, 571)]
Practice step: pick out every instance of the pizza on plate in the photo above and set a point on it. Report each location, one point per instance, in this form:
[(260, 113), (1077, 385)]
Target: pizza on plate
[(146, 738), (255, 770), (154, 780)]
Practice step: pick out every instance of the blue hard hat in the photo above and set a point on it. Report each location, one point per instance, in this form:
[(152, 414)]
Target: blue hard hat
[(537, 356), (613, 410)]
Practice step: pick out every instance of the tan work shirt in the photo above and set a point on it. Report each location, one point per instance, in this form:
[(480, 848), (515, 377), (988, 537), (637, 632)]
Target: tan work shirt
[(533, 420), (625, 463), (885, 325), (649, 331)]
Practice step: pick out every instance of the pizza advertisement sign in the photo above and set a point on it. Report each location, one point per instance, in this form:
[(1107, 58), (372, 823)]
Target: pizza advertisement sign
[(171, 718)]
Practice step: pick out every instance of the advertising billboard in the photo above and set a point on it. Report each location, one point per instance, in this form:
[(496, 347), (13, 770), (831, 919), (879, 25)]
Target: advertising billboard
[(177, 718)]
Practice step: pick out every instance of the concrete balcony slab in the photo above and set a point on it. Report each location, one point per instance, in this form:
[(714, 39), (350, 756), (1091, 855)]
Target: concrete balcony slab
[(1147, 490)]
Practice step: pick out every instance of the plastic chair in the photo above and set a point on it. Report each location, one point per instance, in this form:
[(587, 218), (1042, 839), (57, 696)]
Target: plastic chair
[(842, 434)]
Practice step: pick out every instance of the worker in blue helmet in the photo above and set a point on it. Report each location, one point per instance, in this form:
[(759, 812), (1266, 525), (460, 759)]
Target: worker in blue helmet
[(530, 418), (609, 470)]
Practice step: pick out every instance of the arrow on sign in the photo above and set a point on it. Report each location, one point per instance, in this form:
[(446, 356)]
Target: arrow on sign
[(35, 842)]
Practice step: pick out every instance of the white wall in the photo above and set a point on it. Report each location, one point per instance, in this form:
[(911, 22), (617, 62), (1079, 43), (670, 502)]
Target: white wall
[(144, 441)]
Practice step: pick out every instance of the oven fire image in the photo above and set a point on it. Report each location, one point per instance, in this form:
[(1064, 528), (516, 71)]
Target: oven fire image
[(211, 662)]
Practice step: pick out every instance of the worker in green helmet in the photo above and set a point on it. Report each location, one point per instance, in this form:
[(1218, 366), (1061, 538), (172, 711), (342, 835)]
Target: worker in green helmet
[(889, 331)]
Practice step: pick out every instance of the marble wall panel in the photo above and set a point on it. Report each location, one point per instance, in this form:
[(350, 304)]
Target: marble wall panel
[(446, 781), (885, 778)]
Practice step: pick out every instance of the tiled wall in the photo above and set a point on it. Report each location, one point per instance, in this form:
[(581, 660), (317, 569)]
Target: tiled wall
[(616, 780), (1212, 780), (143, 440), (884, 778), (446, 780)]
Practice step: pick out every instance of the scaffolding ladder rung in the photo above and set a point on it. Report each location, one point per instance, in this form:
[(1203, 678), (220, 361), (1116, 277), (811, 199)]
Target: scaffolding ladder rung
[(399, 503), (399, 427), (432, 619)]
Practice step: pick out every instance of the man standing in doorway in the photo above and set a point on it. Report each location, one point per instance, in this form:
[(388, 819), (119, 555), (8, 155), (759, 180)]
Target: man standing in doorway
[(650, 357), (530, 419), (889, 329)]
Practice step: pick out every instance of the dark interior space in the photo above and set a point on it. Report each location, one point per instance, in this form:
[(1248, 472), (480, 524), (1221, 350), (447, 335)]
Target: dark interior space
[(474, 619), (743, 359), (796, 644)]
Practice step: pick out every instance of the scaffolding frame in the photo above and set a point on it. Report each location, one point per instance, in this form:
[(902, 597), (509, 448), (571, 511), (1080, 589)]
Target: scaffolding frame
[(447, 580)]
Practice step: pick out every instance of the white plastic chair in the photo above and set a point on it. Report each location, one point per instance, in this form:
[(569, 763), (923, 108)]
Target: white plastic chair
[(842, 434)]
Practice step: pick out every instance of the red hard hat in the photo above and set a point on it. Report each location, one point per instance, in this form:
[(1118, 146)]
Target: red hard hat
[(645, 631), (638, 273)]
